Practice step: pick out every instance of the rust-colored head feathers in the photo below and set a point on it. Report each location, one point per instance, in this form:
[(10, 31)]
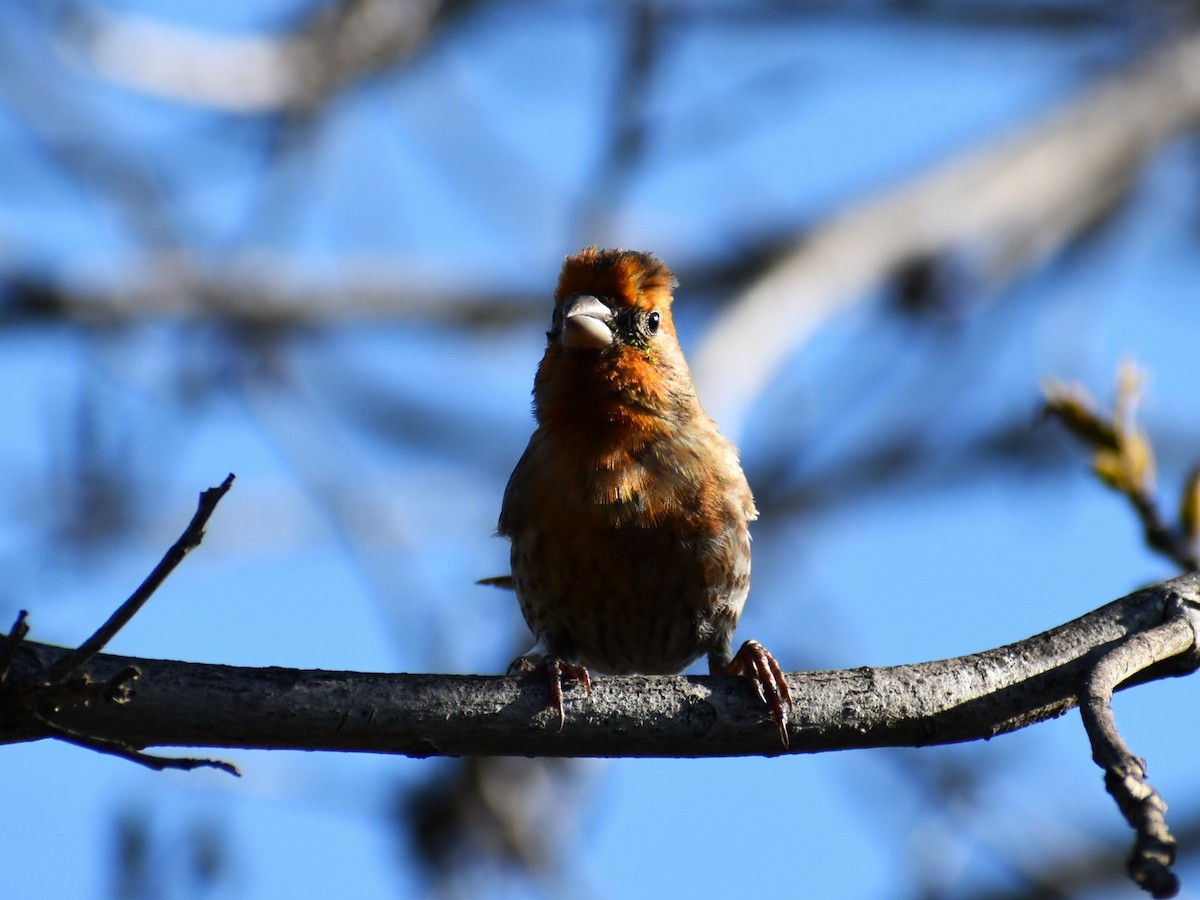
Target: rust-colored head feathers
[(612, 361), (626, 277)]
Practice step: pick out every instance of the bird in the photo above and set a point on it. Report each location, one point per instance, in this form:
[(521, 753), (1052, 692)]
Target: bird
[(628, 513)]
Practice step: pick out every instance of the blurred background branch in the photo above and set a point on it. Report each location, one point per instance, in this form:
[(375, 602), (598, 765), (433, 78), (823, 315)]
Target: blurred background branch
[(337, 46), (983, 219)]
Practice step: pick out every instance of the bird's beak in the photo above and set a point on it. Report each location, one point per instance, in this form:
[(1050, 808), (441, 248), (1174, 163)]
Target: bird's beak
[(587, 323)]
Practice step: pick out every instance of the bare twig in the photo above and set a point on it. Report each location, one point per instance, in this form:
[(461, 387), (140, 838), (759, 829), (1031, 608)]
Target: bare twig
[(1125, 774), (188, 541), (157, 763), (1160, 535), (12, 640), (41, 696)]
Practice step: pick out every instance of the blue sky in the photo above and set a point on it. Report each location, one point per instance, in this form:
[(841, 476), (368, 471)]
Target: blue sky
[(371, 457)]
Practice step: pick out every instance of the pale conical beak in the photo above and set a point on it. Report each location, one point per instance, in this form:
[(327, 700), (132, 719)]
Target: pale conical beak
[(586, 323)]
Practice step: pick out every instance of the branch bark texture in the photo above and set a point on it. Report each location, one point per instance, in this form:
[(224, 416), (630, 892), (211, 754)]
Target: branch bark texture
[(945, 701), (1124, 773)]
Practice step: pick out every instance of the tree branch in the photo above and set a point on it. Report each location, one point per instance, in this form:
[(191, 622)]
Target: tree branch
[(37, 696), (1125, 774), (940, 702)]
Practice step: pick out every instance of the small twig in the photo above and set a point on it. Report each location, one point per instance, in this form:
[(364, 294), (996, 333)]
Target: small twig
[(48, 692), (188, 541), (124, 751), (1125, 774), (1161, 536), (12, 641)]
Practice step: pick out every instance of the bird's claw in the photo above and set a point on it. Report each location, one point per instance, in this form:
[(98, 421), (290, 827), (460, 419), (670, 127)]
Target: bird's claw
[(556, 670), (755, 662)]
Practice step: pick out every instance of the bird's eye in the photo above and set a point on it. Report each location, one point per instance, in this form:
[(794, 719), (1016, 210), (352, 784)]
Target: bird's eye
[(652, 322)]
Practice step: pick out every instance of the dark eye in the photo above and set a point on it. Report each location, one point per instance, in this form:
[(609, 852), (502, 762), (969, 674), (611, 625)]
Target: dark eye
[(652, 322)]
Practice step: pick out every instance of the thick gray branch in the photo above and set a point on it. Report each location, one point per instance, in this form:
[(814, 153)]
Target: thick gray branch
[(946, 701)]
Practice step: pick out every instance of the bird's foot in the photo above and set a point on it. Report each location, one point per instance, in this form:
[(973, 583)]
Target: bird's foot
[(556, 670), (755, 662)]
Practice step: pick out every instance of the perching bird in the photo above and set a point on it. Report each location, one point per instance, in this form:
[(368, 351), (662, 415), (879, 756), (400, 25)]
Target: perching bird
[(628, 512)]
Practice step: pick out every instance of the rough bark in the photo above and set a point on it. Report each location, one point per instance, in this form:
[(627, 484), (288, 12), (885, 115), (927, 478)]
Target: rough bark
[(945, 701)]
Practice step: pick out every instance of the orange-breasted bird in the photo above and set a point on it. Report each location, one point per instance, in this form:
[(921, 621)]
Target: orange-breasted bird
[(628, 512)]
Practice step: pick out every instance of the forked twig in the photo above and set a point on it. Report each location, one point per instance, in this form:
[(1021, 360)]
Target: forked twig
[(39, 696), (188, 541)]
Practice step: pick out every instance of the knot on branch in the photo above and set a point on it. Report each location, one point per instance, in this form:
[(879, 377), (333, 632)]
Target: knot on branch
[(80, 689), (34, 698), (1179, 608)]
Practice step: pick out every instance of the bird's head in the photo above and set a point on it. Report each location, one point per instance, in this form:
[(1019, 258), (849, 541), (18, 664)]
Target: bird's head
[(612, 300), (611, 351)]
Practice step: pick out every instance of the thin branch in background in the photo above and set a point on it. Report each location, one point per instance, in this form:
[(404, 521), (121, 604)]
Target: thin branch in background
[(342, 44), (481, 811), (1006, 207), (1014, 202), (628, 125), (267, 290)]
